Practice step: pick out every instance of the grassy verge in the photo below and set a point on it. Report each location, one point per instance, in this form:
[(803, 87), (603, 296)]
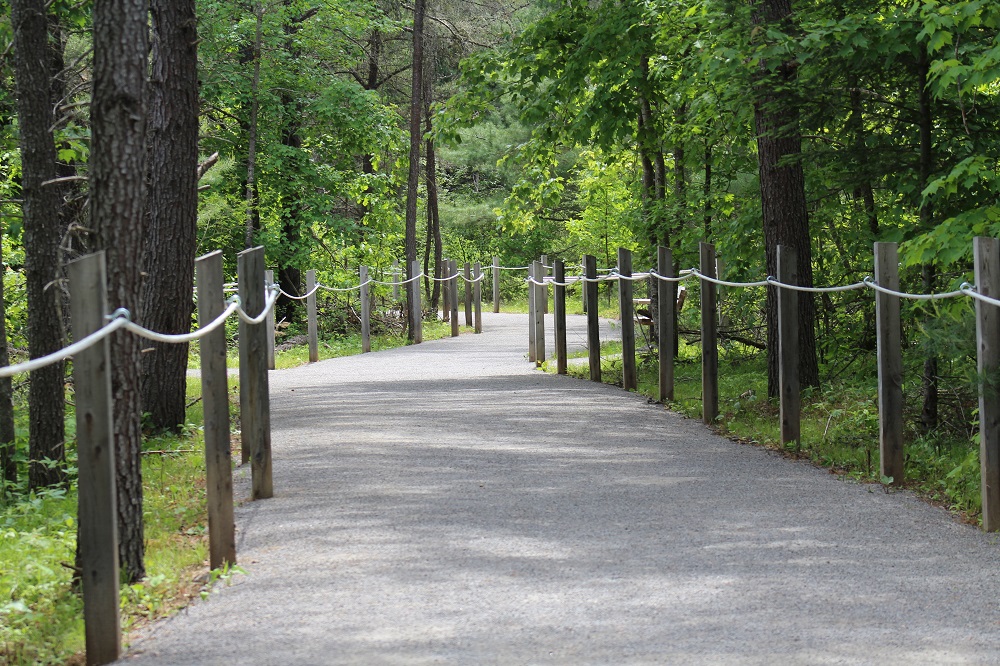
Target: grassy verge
[(839, 422), (41, 615)]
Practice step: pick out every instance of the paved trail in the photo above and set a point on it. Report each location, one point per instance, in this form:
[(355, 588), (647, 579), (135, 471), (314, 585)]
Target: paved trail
[(446, 503)]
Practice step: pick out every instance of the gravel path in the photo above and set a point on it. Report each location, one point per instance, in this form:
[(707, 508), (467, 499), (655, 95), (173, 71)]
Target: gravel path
[(446, 503)]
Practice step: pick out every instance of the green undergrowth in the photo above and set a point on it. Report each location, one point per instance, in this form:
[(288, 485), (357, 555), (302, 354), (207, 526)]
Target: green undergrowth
[(41, 618), (839, 422)]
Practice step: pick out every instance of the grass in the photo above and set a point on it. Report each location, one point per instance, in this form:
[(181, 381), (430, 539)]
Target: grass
[(839, 422), (40, 613)]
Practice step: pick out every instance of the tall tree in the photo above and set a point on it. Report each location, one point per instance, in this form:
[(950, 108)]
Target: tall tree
[(782, 190), (118, 211), (416, 88), (171, 238), (42, 201)]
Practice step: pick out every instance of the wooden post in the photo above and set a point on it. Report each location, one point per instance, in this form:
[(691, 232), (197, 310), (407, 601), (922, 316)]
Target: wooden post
[(453, 271), (709, 339), (311, 314), (445, 291), (532, 349), (890, 364), (626, 307), (543, 273), (269, 279), (666, 302), (539, 313), (366, 312), (255, 399), (467, 292), (96, 494), (583, 288), (788, 347), (477, 296), (496, 284), (395, 281), (559, 307), (215, 400), (593, 324), (417, 312), (986, 253)]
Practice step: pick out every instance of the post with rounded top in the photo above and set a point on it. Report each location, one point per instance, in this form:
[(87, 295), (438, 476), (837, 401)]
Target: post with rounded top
[(255, 399), (496, 284), (544, 260), (96, 494), (531, 313), (709, 338), (366, 311), (453, 289), (269, 279), (626, 307), (477, 295), (540, 291), (417, 312), (311, 315), (215, 400), (986, 254), (468, 293), (788, 343), (890, 363), (593, 323), (559, 314), (443, 267), (666, 302)]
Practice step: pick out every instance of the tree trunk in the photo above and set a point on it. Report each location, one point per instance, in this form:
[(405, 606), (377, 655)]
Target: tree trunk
[(863, 190), (252, 193), (117, 204), (783, 197), (929, 379), (416, 87), (8, 464), (433, 218), (707, 191), (171, 239), (42, 235)]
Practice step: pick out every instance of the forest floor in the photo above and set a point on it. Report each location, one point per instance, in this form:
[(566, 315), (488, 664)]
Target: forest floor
[(447, 503)]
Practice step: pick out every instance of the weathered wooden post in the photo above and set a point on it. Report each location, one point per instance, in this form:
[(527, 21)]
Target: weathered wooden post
[(986, 253), (467, 293), (269, 279), (395, 280), (477, 295), (788, 343), (709, 338), (532, 331), (215, 400), (444, 267), (559, 307), (96, 493), (890, 363), (366, 312), (496, 284), (593, 323), (255, 398), (629, 376), (544, 273), (311, 314), (666, 302), (539, 312), (416, 309), (453, 287)]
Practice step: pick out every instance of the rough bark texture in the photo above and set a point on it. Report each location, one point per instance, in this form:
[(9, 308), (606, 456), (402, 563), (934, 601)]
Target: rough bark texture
[(118, 196), (416, 87), (783, 197), (42, 234), (433, 218), (8, 466), (171, 238), (252, 193)]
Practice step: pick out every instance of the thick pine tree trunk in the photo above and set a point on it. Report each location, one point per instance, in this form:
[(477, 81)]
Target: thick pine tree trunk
[(118, 214), (42, 235), (171, 239), (416, 87), (783, 198)]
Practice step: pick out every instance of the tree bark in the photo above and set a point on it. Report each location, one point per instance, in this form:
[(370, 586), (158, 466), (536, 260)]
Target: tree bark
[(783, 196), (117, 205), (433, 218), (929, 378), (8, 464), (171, 239), (42, 234), (416, 88), (252, 193)]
